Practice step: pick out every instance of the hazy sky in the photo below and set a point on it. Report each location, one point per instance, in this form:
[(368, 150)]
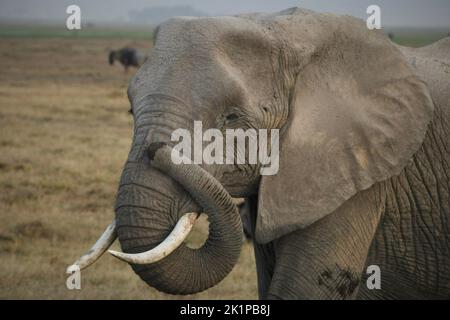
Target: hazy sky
[(418, 13)]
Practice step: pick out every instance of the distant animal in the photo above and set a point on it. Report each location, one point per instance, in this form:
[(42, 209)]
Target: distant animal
[(127, 57)]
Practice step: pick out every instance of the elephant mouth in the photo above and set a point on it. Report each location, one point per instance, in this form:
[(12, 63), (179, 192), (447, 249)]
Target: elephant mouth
[(225, 236)]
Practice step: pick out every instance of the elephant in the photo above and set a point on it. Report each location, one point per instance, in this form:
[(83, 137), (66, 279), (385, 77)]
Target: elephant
[(363, 176)]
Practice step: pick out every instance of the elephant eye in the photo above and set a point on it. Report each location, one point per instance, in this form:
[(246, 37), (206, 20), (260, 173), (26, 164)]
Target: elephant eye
[(130, 111), (232, 116)]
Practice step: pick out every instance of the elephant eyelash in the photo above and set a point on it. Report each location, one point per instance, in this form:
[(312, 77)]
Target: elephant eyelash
[(232, 117)]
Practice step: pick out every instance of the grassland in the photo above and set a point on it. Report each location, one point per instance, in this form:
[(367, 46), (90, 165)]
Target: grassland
[(44, 31), (64, 135)]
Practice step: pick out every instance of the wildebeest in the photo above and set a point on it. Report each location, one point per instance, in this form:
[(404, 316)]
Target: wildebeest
[(127, 57)]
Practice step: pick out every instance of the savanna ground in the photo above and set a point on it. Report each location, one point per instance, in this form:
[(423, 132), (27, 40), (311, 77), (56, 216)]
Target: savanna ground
[(64, 135)]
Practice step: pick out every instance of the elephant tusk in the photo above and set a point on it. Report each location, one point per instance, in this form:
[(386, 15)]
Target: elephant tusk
[(238, 201), (173, 241), (102, 244)]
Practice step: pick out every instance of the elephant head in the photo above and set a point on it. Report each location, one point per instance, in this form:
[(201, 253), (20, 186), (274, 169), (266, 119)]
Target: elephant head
[(349, 109)]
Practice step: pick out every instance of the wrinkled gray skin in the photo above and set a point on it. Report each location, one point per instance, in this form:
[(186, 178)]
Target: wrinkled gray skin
[(364, 156)]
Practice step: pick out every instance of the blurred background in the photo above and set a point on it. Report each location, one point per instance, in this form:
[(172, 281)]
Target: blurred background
[(65, 130), (411, 22)]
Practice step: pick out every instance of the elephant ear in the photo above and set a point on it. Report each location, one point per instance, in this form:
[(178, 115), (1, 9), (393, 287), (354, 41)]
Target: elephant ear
[(357, 114)]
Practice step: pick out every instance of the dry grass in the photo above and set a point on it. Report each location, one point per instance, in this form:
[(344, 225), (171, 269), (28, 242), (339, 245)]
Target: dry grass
[(64, 136)]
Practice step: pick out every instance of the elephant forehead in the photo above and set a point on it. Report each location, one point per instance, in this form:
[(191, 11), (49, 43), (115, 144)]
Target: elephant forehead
[(205, 60)]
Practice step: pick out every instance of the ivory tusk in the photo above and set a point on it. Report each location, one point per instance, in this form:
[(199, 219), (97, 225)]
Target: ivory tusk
[(102, 244), (173, 241)]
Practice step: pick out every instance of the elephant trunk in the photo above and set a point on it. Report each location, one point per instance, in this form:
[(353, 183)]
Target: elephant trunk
[(147, 210), (154, 194)]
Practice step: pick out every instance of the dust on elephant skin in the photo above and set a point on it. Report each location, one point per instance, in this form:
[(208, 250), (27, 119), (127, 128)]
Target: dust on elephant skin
[(344, 281)]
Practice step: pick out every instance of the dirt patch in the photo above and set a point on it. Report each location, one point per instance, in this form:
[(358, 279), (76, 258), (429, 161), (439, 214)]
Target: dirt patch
[(7, 166), (36, 230), (5, 238)]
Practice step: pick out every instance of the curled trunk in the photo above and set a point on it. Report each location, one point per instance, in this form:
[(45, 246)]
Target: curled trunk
[(149, 204)]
